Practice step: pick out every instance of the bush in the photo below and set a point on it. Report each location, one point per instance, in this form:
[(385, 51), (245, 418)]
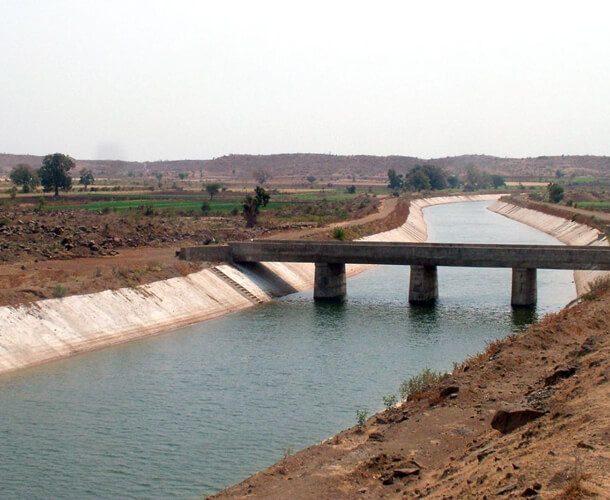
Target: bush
[(59, 291), (339, 234), (389, 401), (555, 192), (598, 286), (147, 209), (205, 207), (361, 414), (420, 383)]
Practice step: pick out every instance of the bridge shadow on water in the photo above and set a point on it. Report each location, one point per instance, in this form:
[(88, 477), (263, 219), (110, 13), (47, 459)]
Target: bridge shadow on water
[(431, 315), (423, 314), (523, 317), (330, 315)]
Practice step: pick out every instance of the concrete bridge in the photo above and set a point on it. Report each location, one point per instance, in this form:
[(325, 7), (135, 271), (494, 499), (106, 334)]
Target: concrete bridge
[(330, 259)]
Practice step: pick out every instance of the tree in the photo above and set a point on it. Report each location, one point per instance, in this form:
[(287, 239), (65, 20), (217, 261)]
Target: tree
[(23, 175), (497, 181), (555, 192), (396, 181), (212, 188), (351, 189), (453, 181), (438, 178), (477, 179), (54, 173), (426, 177), (418, 180), (311, 179), (252, 204), (261, 176), (86, 177)]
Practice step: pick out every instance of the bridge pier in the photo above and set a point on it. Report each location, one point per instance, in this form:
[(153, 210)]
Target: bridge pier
[(329, 282), (423, 284), (523, 291)]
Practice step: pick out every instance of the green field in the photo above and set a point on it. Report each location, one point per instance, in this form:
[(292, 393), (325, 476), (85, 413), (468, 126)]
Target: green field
[(599, 205), (587, 180), (224, 202), (184, 205)]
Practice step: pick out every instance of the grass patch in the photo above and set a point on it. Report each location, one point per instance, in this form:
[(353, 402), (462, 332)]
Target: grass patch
[(599, 205)]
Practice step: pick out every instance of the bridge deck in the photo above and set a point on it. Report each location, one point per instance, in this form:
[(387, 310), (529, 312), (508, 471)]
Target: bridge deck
[(424, 254)]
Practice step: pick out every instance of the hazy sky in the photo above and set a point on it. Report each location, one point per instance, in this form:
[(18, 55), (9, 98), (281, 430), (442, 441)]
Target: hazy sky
[(148, 80)]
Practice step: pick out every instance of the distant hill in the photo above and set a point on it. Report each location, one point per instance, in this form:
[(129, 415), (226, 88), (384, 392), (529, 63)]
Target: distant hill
[(334, 167)]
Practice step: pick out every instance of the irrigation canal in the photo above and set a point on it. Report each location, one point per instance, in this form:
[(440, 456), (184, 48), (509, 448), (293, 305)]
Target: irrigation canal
[(185, 414)]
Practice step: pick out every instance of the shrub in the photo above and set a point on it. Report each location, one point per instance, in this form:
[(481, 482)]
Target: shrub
[(598, 286), (389, 401), (361, 414), (205, 207), (339, 234), (147, 209), (288, 450), (555, 192), (59, 291), (420, 383)]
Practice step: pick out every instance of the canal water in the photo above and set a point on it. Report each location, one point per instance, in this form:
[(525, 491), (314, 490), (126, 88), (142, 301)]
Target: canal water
[(186, 414)]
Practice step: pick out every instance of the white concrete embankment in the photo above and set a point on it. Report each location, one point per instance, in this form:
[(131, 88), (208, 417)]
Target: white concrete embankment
[(56, 328), (564, 230)]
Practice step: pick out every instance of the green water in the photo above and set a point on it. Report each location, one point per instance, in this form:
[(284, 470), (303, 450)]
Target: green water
[(188, 413)]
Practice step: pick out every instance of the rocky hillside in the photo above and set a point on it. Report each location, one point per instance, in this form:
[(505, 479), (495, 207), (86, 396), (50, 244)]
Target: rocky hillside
[(335, 167)]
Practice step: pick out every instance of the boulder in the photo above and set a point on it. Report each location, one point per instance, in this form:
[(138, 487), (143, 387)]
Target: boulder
[(563, 371), (507, 421)]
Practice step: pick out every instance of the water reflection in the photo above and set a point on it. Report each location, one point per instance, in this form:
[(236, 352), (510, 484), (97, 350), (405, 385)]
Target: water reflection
[(426, 315), (522, 317)]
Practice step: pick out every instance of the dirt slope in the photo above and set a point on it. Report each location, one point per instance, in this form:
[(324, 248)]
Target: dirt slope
[(444, 446)]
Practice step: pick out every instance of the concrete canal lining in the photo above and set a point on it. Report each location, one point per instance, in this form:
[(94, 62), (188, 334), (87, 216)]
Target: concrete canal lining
[(57, 328)]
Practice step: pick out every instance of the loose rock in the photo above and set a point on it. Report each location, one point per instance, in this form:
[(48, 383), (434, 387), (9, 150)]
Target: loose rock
[(507, 421)]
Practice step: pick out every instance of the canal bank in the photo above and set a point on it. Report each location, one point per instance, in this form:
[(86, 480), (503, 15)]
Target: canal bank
[(526, 418), (566, 231), (57, 328)]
